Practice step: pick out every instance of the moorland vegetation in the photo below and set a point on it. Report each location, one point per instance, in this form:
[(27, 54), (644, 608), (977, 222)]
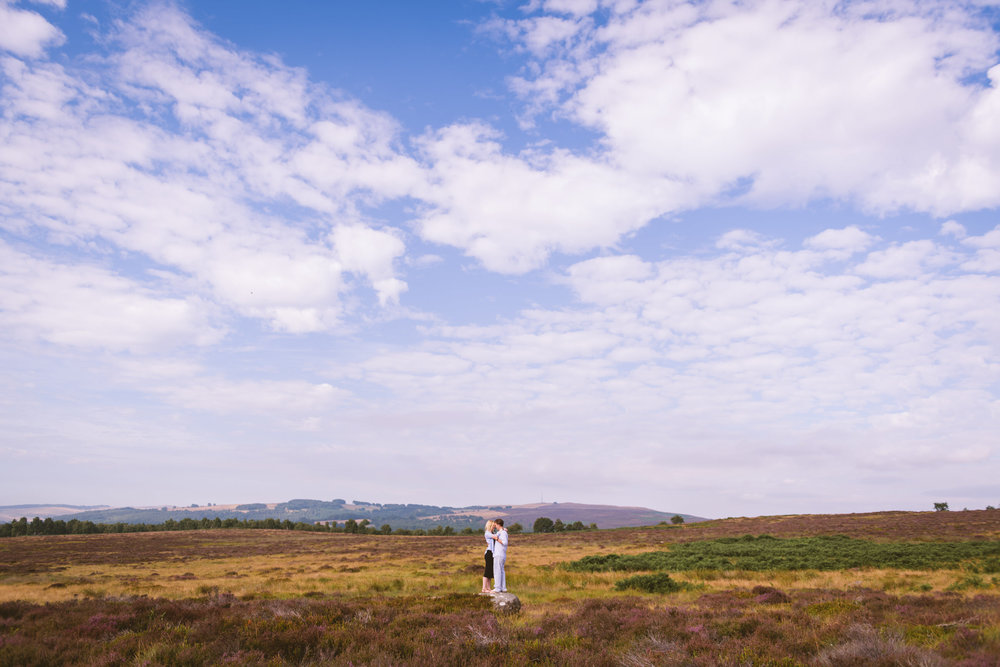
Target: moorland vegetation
[(909, 588)]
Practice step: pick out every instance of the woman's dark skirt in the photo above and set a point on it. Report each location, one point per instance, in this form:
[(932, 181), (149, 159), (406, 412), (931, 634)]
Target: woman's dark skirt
[(488, 570)]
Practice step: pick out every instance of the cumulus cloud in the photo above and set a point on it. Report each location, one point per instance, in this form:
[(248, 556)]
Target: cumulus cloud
[(86, 306), (952, 228), (885, 106), (848, 240), (25, 33), (512, 211), (231, 171), (725, 357)]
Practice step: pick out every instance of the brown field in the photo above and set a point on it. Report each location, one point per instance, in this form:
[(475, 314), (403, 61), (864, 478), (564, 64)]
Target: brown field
[(287, 597)]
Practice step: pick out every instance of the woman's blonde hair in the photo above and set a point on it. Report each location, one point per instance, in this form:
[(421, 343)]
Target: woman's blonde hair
[(490, 525)]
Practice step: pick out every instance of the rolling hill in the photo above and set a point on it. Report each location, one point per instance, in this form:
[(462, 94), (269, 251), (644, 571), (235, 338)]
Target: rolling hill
[(396, 515)]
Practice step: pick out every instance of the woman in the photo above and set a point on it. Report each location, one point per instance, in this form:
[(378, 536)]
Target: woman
[(488, 570)]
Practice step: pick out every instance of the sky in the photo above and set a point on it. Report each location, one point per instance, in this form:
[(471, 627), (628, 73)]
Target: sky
[(720, 258)]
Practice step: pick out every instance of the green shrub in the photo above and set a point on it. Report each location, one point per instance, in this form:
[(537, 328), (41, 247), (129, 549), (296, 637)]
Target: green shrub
[(768, 553), (650, 583), (991, 566)]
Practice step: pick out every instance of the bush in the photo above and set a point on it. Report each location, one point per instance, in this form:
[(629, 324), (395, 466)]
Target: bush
[(650, 583)]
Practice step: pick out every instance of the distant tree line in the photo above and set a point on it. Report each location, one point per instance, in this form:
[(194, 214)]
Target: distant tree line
[(543, 524), (303, 510), (37, 526)]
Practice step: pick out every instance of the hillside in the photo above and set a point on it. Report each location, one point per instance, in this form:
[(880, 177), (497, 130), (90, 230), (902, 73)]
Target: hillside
[(13, 512), (396, 515), (605, 516)]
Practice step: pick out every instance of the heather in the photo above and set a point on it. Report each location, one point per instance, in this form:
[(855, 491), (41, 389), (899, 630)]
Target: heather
[(736, 627)]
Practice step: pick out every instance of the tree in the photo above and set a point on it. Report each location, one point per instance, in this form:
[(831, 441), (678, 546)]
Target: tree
[(677, 519), (515, 529), (940, 507), (543, 524)]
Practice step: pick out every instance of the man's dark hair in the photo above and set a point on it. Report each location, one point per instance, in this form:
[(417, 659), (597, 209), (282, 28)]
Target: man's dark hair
[(499, 522)]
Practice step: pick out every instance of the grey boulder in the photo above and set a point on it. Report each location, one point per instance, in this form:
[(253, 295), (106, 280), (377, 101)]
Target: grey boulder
[(506, 603)]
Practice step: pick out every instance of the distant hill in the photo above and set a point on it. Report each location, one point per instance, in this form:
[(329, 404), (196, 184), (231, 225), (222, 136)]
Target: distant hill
[(396, 515), (605, 516), (12, 512)]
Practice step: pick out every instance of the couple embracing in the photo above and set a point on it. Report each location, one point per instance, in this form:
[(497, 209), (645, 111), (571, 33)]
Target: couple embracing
[(496, 556)]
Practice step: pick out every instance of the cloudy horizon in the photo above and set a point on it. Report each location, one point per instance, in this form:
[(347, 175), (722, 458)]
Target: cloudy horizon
[(715, 258)]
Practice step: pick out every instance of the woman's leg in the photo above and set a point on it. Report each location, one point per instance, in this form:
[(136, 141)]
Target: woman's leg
[(488, 571)]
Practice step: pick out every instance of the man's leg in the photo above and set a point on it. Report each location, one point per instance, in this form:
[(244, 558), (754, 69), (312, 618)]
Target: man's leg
[(499, 576)]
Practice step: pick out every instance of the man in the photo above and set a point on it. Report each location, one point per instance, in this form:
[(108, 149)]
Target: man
[(500, 541)]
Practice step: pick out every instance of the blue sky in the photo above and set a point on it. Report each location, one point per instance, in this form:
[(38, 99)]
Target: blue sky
[(714, 257)]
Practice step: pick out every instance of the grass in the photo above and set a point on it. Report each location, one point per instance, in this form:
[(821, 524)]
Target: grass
[(282, 597)]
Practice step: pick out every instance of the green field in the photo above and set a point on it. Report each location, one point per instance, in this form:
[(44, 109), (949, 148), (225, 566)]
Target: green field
[(826, 553)]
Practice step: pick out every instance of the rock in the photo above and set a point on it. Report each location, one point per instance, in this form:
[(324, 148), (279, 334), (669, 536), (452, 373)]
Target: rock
[(506, 603)]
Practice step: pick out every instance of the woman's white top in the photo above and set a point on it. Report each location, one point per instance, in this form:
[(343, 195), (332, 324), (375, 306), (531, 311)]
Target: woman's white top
[(489, 540)]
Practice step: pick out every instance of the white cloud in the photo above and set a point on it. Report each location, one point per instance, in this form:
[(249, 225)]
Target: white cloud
[(740, 238), (269, 399), (848, 240), (574, 7), (25, 33), (987, 257), (908, 260), (952, 228), (371, 253), (723, 358), (231, 171), (511, 212), (694, 104), (804, 99), (90, 307)]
